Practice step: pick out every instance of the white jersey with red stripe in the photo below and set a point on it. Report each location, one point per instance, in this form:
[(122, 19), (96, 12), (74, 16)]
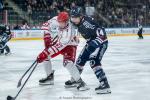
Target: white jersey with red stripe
[(60, 37)]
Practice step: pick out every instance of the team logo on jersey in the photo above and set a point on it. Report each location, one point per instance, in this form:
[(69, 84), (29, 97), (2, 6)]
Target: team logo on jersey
[(88, 25)]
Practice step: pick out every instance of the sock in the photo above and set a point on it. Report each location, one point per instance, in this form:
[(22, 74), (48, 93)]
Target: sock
[(48, 66), (100, 74), (72, 69)]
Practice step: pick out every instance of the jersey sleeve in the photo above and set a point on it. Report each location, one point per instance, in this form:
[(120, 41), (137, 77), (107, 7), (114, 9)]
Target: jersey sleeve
[(75, 37), (5, 38), (50, 32), (45, 26)]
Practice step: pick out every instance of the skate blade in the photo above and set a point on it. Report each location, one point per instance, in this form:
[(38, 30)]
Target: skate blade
[(8, 54), (104, 91), (83, 88), (2, 54), (47, 83), (70, 86)]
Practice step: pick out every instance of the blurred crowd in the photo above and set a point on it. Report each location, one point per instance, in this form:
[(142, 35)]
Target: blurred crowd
[(109, 13), (125, 13), (25, 26)]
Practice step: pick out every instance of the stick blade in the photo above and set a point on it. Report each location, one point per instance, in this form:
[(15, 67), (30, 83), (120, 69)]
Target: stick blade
[(10, 98), (19, 84)]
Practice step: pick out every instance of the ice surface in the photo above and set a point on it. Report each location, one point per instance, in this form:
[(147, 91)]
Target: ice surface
[(126, 63)]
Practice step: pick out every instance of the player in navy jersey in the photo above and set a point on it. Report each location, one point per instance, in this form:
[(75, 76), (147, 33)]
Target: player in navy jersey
[(5, 36), (140, 31), (93, 51)]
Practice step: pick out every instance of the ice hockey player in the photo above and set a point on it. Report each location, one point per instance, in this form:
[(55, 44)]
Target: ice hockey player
[(60, 37), (140, 31), (5, 36), (94, 49)]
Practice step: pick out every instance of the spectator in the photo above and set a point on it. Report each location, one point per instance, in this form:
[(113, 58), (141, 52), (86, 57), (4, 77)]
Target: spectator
[(118, 13), (17, 27), (1, 5), (29, 9), (25, 25)]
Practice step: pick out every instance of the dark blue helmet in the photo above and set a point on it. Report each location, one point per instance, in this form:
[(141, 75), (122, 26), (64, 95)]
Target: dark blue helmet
[(76, 12)]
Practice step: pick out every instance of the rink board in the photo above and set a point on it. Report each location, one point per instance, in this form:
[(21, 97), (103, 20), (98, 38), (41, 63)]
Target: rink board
[(38, 34), (110, 35)]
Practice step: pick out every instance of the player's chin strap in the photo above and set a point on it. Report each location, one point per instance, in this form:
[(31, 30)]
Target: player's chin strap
[(74, 72)]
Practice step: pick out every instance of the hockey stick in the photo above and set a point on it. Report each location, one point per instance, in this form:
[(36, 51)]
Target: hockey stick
[(20, 80), (14, 98)]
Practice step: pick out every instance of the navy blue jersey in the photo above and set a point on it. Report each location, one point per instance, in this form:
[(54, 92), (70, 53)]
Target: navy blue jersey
[(5, 34), (90, 30)]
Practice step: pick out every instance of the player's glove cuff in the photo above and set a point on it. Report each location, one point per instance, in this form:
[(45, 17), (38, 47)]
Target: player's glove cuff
[(43, 56)]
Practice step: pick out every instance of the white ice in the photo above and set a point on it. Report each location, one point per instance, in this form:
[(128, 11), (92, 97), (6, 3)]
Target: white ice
[(126, 63)]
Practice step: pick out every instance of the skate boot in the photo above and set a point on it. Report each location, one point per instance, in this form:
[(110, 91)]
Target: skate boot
[(71, 83), (103, 88), (140, 37), (1, 52), (82, 86), (49, 80), (7, 53)]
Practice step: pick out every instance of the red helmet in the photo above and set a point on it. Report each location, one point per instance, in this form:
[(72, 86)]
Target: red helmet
[(63, 17)]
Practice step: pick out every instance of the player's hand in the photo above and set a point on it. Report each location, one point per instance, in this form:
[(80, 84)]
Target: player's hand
[(43, 56)]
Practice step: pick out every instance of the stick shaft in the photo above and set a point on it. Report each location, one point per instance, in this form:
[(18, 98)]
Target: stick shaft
[(27, 70), (25, 81)]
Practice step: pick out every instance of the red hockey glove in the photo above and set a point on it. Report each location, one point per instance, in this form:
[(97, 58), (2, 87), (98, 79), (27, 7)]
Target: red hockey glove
[(43, 56), (47, 40)]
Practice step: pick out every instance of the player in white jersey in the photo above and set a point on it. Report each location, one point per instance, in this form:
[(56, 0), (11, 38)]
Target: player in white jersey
[(60, 37)]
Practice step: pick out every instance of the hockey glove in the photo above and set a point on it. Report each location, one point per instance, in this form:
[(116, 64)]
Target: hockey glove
[(43, 56)]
